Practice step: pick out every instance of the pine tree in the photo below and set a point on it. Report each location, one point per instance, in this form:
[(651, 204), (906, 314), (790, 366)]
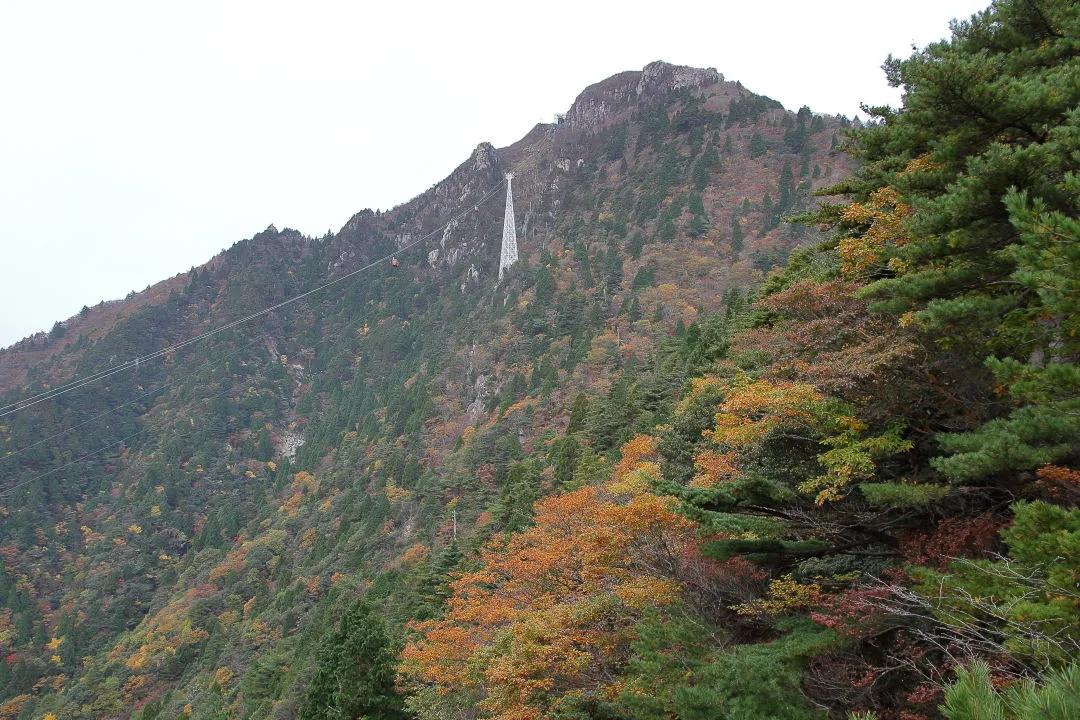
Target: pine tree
[(704, 167), (579, 411), (757, 145), (355, 673), (787, 189), (699, 223), (973, 696), (985, 151), (520, 491), (736, 238)]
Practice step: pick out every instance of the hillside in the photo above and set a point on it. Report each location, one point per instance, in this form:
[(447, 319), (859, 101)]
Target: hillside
[(326, 438), (712, 448)]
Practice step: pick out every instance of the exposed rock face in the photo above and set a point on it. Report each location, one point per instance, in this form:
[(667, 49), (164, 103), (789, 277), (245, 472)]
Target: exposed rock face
[(463, 236), (484, 157), (598, 102), (599, 105), (289, 442), (661, 77), (546, 162), (475, 411)]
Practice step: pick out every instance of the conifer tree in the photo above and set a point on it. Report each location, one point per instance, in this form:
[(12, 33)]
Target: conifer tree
[(355, 673), (985, 150), (974, 697)]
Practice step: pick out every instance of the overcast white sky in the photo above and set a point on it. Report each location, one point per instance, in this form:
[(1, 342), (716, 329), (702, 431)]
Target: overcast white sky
[(140, 138)]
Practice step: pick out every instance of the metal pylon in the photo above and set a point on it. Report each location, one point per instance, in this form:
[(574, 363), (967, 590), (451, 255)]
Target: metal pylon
[(509, 254)]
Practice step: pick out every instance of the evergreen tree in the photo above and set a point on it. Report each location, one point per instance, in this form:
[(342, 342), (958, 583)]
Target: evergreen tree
[(973, 696), (545, 286), (355, 673), (985, 150), (797, 136), (699, 223), (613, 269), (704, 167), (564, 456), (666, 230), (519, 493), (579, 411), (787, 189), (736, 238), (757, 145)]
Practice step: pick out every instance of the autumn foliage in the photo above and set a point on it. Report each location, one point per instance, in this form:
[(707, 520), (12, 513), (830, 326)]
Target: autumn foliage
[(551, 611)]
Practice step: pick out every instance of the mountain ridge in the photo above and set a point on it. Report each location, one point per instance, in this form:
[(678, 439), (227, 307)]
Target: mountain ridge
[(589, 111), (642, 215)]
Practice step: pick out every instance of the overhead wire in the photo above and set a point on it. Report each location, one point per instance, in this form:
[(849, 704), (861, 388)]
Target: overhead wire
[(172, 382), (7, 491), (164, 385), (76, 384), (201, 367)]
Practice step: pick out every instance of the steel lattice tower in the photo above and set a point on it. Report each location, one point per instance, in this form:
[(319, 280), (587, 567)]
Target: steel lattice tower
[(509, 254)]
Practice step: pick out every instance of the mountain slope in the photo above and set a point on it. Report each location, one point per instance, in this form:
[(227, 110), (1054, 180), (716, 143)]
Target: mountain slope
[(191, 545)]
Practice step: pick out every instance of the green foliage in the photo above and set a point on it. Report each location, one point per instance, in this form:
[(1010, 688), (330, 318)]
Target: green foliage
[(1048, 536), (990, 265), (973, 696), (761, 551), (747, 109), (1046, 384), (757, 146), (901, 495), (564, 455), (429, 704), (354, 676), (699, 221), (666, 230), (519, 492), (579, 412), (188, 554), (705, 166), (736, 238), (676, 672), (616, 144), (1028, 602)]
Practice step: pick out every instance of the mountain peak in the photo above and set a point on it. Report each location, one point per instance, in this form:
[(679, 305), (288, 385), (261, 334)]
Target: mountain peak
[(662, 77), (657, 79), (223, 468), (484, 156)]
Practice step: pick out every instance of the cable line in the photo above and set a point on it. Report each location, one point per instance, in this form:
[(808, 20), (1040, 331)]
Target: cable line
[(13, 488), (76, 384), (173, 382)]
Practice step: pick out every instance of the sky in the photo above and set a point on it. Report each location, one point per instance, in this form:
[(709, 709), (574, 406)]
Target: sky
[(138, 139)]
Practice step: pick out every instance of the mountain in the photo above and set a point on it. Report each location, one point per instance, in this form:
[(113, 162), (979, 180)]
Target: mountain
[(206, 507), (712, 448)]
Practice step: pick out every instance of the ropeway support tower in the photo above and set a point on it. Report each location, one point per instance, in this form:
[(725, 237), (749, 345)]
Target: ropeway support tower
[(509, 254)]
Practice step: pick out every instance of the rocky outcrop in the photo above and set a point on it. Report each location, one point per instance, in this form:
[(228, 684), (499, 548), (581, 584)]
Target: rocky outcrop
[(598, 103), (660, 78)]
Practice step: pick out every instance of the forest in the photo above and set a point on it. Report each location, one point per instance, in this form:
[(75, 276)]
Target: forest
[(778, 417)]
